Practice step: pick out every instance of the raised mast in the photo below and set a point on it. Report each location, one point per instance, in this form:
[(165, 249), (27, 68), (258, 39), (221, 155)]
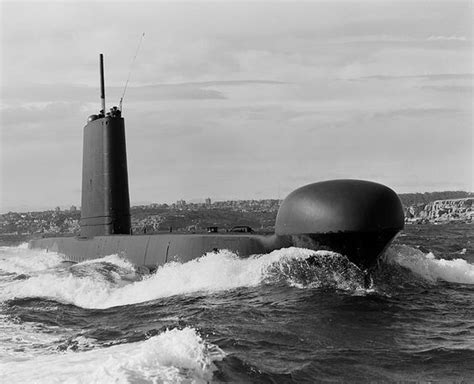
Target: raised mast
[(102, 83)]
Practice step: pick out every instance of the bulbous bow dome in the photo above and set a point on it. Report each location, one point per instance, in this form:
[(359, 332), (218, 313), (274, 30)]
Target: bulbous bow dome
[(340, 206)]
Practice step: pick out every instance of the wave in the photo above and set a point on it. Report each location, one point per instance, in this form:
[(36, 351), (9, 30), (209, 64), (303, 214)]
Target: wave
[(172, 356), (92, 285), (428, 266), (22, 341), (113, 281), (21, 260), (113, 268)]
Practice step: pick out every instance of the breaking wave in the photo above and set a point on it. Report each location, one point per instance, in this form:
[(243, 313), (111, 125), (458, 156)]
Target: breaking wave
[(105, 282), (176, 356), (113, 281), (429, 267), (21, 260)]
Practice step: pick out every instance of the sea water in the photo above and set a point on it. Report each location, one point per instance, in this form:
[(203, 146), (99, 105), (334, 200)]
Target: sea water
[(267, 318)]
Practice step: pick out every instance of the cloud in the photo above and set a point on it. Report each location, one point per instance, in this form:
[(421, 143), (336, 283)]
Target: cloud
[(437, 76), (238, 98), (171, 92), (38, 112), (40, 96), (416, 113), (447, 38), (34, 92), (468, 88)]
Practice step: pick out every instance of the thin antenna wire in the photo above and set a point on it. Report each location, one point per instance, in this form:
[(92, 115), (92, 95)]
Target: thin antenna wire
[(130, 72)]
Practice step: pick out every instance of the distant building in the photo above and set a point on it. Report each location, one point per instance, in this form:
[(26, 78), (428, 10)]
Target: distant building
[(73, 208), (208, 202), (57, 209), (242, 228), (181, 203)]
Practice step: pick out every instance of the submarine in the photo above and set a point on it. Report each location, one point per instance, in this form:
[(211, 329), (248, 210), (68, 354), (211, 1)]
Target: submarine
[(355, 218)]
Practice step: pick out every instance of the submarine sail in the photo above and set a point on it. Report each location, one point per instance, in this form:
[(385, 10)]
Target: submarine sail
[(105, 206), (356, 218)]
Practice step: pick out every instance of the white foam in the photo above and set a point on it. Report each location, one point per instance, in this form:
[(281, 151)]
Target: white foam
[(211, 273), (68, 289), (20, 341), (429, 267), (112, 268), (117, 260), (175, 356), (20, 259)]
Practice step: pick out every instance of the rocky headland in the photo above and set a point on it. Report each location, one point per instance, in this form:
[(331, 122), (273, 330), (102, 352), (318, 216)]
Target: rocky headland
[(441, 211)]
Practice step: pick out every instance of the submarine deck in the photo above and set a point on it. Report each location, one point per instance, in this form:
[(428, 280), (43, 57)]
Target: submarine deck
[(157, 249)]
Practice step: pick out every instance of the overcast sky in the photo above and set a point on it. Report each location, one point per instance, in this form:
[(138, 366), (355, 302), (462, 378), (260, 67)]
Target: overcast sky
[(235, 100)]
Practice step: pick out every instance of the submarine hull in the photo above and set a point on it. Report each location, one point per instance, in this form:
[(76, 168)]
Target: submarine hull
[(152, 251), (155, 250)]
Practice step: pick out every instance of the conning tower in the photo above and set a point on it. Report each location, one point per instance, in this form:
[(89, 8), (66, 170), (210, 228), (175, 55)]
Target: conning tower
[(105, 198)]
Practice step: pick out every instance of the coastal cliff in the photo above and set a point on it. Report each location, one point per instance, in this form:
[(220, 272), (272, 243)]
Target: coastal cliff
[(441, 211)]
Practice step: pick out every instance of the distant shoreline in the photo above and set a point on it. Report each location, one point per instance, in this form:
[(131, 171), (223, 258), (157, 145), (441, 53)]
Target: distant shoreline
[(419, 209)]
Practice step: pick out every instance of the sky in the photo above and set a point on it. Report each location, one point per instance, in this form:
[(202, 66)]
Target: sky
[(238, 100)]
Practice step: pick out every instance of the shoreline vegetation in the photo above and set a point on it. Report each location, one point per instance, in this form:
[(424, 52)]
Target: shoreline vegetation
[(420, 208)]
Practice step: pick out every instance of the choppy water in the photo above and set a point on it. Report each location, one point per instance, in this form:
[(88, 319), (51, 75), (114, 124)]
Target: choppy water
[(268, 318)]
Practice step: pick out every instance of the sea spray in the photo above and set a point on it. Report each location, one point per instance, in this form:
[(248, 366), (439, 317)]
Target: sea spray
[(111, 281), (113, 268), (428, 266), (21, 260), (175, 355), (321, 269), (100, 286)]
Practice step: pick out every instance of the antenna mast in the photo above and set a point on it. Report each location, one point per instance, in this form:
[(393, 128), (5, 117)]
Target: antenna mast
[(130, 72), (102, 83)]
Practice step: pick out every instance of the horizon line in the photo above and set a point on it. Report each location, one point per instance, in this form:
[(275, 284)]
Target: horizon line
[(26, 209)]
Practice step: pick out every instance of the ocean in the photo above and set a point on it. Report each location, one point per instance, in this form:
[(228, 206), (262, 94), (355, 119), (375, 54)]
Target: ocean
[(270, 318)]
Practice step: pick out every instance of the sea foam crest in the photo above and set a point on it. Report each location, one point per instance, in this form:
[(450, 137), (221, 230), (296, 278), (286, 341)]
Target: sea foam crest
[(112, 268), (76, 284), (429, 267), (213, 272), (115, 259), (316, 269), (22, 260), (174, 356)]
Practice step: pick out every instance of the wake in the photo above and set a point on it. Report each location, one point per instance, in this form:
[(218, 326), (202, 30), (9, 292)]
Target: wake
[(428, 267), (113, 281)]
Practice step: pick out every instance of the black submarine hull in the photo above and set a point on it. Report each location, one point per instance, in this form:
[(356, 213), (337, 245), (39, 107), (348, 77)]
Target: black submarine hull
[(152, 251), (155, 250)]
